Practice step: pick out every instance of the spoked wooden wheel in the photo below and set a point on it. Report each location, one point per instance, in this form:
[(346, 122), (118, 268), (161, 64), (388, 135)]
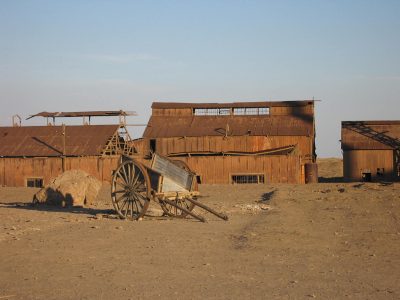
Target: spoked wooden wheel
[(130, 190), (172, 211)]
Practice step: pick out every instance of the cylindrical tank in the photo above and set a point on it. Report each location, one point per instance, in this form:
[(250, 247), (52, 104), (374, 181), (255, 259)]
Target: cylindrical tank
[(311, 172)]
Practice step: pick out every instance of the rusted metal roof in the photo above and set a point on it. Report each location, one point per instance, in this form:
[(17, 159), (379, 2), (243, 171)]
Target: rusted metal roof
[(44, 141), (164, 105), (370, 135), (106, 113), (173, 126)]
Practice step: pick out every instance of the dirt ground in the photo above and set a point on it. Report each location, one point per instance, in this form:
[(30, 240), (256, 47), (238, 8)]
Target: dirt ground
[(331, 240)]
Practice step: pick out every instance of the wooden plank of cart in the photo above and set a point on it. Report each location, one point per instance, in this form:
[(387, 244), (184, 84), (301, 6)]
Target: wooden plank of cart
[(171, 183)]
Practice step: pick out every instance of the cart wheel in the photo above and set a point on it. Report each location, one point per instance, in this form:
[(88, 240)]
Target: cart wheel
[(172, 211), (130, 190)]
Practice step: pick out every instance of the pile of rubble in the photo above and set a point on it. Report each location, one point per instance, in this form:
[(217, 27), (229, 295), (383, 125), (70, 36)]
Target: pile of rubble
[(72, 188)]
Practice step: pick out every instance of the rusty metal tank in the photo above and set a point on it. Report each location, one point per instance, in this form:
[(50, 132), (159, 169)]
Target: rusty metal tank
[(311, 172)]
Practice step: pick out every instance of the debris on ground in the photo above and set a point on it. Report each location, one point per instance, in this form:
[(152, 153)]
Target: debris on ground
[(254, 207)]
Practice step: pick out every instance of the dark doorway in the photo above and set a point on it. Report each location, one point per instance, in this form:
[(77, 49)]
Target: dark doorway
[(366, 177), (198, 179), (153, 146)]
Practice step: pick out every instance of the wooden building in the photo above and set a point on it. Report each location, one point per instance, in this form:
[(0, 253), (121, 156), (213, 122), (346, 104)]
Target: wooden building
[(249, 142), (371, 150), (33, 155)]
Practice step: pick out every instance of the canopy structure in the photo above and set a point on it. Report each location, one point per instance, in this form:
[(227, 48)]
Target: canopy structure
[(85, 114)]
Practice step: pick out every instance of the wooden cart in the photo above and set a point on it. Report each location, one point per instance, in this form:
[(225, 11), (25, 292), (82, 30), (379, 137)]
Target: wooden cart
[(171, 183)]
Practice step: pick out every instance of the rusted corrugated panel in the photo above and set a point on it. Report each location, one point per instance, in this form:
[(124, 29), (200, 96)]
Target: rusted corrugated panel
[(219, 169), (48, 140), (355, 162), (165, 105), (15, 171), (372, 135), (229, 125)]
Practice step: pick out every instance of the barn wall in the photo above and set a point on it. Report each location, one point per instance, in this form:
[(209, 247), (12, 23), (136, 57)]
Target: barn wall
[(172, 112), (274, 110), (166, 146), (376, 137), (292, 110), (218, 169), (355, 162), (15, 171)]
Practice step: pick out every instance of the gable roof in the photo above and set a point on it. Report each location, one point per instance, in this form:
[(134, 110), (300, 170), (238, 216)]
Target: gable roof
[(44, 141), (370, 135), (174, 126)]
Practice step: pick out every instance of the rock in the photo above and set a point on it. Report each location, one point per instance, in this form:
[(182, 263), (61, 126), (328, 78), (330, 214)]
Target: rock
[(265, 207), (71, 188)]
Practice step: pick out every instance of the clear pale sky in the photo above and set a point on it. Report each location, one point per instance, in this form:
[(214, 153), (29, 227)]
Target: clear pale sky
[(109, 55)]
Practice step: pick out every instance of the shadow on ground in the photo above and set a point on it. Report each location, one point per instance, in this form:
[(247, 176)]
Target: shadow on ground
[(50, 208), (331, 180)]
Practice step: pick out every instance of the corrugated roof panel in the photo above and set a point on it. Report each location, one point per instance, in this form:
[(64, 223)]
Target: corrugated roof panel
[(48, 141)]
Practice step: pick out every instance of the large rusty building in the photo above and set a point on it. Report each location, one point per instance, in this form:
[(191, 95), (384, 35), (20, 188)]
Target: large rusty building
[(371, 150), (249, 142), (33, 155)]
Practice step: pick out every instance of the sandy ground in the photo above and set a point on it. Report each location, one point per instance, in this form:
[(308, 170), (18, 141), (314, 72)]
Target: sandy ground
[(332, 240)]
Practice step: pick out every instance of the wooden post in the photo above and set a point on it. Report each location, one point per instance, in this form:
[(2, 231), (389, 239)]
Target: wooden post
[(63, 152)]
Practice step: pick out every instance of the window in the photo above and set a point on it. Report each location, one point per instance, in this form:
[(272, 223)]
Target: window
[(212, 111), (238, 111), (224, 111), (248, 179), (380, 172), (34, 182), (263, 111), (251, 111)]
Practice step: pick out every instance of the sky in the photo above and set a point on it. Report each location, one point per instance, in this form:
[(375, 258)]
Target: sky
[(111, 55)]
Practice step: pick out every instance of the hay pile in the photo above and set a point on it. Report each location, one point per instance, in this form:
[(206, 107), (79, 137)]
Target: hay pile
[(72, 188)]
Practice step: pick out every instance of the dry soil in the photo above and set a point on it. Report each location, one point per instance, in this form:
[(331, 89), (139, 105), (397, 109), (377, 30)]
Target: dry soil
[(332, 240)]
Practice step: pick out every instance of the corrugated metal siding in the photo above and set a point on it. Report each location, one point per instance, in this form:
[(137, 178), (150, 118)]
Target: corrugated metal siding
[(386, 132), (35, 141), (357, 161), (167, 146), (218, 169), (14, 171), (167, 126)]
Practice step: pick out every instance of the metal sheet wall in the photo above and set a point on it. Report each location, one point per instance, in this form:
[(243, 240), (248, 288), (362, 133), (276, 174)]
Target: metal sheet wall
[(357, 161), (15, 171), (172, 112), (218, 169), (237, 143)]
